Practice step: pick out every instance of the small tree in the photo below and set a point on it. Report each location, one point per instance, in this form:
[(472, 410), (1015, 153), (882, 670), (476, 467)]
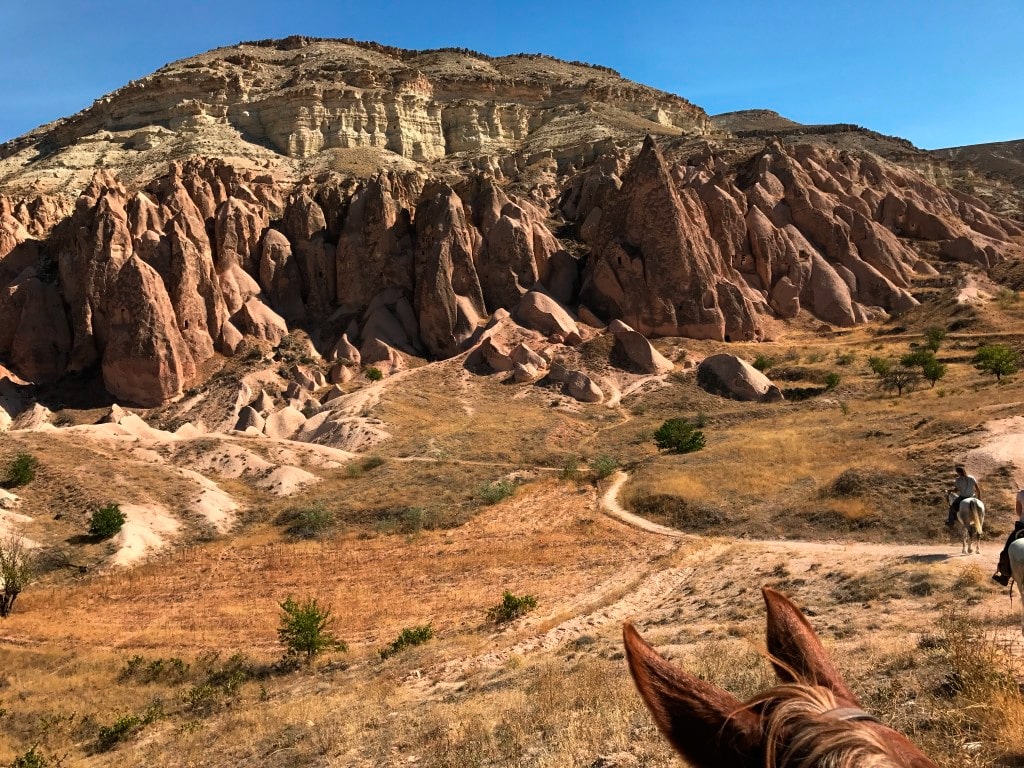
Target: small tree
[(679, 436), (879, 365), (763, 362), (304, 630), (933, 338), (832, 380), (17, 569), (919, 358), (106, 521), (933, 370), (899, 379), (374, 373), (603, 466), (21, 470), (997, 359)]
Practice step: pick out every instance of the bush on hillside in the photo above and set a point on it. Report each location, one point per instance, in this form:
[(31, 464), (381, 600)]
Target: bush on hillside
[(21, 470), (879, 366), (511, 607), (407, 638), (492, 493), (304, 631), (933, 338), (679, 436), (604, 466), (106, 521)]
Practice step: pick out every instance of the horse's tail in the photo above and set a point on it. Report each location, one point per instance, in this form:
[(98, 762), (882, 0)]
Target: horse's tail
[(976, 518)]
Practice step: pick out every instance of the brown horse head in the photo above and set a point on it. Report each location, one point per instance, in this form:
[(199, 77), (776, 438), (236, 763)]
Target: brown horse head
[(811, 720)]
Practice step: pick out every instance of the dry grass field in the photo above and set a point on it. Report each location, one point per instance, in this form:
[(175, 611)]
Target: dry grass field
[(832, 496)]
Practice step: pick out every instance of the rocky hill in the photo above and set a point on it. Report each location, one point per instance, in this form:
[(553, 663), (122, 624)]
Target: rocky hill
[(483, 185), (304, 104)]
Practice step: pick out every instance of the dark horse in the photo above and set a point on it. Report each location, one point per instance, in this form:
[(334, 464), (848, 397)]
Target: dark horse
[(811, 720)]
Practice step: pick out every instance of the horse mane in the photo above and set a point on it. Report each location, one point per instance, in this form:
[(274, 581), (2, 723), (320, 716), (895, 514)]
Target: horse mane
[(800, 732)]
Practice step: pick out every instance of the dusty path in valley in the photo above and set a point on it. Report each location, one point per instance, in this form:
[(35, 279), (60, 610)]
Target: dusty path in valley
[(665, 586)]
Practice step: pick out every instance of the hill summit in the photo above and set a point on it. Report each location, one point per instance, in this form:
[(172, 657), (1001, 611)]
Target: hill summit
[(304, 104)]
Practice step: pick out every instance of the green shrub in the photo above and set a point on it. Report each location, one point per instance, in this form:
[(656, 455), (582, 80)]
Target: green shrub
[(145, 671), (492, 493), (511, 607), (219, 681), (933, 370), (832, 380), (997, 359), (21, 470), (679, 436), (31, 759), (604, 466), (917, 359), (933, 338), (304, 630), (106, 521), (879, 365), (763, 362), (310, 522), (374, 374), (407, 638), (17, 569), (845, 358), (110, 736)]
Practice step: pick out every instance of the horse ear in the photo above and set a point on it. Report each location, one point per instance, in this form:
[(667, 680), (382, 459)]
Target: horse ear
[(706, 725), (797, 654)]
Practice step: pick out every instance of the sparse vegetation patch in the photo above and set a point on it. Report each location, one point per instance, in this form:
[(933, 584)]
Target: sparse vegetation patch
[(21, 470), (407, 638), (511, 607)]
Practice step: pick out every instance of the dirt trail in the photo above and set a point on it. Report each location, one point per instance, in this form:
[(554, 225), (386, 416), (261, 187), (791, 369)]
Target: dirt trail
[(652, 588), (610, 504)]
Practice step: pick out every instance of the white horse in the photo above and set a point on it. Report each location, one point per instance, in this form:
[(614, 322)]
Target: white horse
[(971, 514), (1016, 553)]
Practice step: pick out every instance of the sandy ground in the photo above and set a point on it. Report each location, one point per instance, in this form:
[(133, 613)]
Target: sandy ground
[(1002, 443), (976, 288), (148, 528)]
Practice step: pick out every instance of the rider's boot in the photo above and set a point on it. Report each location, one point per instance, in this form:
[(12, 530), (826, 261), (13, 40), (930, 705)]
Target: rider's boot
[(1002, 574)]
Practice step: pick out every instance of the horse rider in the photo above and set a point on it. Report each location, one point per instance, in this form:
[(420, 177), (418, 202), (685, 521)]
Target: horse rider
[(966, 488), (1002, 575)]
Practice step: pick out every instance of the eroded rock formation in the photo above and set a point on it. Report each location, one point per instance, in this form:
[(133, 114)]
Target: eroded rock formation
[(154, 275)]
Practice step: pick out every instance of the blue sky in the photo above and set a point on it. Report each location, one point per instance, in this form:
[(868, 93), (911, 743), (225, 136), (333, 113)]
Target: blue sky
[(940, 73)]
